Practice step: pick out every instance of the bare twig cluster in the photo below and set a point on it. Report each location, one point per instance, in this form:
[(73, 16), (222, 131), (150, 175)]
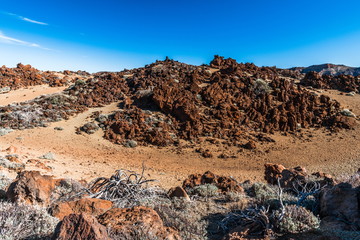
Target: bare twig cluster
[(304, 190), (255, 219), (124, 185)]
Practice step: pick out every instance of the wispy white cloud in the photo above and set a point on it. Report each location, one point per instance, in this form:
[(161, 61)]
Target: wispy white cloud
[(26, 19), (11, 40), (32, 21)]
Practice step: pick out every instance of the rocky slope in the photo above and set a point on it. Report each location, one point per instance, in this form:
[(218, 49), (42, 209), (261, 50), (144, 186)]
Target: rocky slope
[(168, 101)]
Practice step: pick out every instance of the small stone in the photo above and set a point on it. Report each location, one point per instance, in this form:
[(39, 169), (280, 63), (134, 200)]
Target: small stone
[(131, 143), (348, 113), (48, 156)]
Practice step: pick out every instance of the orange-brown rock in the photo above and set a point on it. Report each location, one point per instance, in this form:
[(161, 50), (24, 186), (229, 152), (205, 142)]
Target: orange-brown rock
[(89, 206), (80, 227), (287, 177), (11, 149), (178, 192), (128, 220), (32, 187), (250, 145)]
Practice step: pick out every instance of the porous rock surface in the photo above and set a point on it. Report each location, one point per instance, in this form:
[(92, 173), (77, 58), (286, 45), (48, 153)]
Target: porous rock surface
[(78, 227)]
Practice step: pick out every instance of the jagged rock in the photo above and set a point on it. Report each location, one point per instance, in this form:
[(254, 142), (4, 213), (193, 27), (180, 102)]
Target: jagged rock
[(250, 145), (31, 187), (26, 75), (225, 184), (186, 102), (286, 176), (346, 83), (128, 220), (78, 227), (89, 206)]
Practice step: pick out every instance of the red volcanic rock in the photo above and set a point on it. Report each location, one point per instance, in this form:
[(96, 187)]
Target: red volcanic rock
[(167, 101), (347, 83), (25, 75), (128, 220), (89, 206), (178, 192), (225, 184), (31, 187), (250, 145), (298, 175), (80, 226), (286, 176)]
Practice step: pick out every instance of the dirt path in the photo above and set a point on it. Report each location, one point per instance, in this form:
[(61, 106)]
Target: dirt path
[(25, 94), (89, 156)]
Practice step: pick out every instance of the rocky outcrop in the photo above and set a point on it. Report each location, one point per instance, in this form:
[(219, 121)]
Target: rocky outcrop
[(80, 226), (286, 176), (129, 220), (347, 83), (26, 75), (225, 184), (167, 101), (33, 188), (89, 206)]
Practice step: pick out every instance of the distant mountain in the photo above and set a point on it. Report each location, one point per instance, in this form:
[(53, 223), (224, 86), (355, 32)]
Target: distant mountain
[(329, 69)]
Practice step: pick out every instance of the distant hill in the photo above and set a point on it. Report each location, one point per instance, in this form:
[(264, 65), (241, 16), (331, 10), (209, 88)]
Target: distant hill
[(329, 69)]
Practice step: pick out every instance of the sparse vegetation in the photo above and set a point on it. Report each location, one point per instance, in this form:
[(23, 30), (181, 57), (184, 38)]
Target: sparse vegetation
[(21, 221), (297, 220)]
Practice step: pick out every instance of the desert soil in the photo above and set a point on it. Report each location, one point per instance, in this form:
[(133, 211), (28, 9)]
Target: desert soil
[(83, 156)]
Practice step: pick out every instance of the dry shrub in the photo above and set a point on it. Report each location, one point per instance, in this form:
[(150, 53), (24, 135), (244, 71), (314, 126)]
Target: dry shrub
[(21, 221), (125, 188)]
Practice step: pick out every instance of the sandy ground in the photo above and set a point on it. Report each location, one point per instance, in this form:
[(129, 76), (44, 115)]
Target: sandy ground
[(89, 156), (25, 94)]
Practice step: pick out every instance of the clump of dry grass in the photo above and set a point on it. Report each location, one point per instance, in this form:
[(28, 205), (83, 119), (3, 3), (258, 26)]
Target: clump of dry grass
[(21, 221)]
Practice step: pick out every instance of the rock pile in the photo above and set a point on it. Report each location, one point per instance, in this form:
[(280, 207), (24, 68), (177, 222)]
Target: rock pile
[(26, 75), (224, 184), (346, 83), (166, 101)]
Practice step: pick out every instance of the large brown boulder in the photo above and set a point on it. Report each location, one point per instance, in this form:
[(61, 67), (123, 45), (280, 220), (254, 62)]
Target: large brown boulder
[(130, 220), (340, 207), (90, 206), (32, 187), (80, 227)]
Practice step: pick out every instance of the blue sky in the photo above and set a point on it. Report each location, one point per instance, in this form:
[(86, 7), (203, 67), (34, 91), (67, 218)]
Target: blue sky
[(113, 34)]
